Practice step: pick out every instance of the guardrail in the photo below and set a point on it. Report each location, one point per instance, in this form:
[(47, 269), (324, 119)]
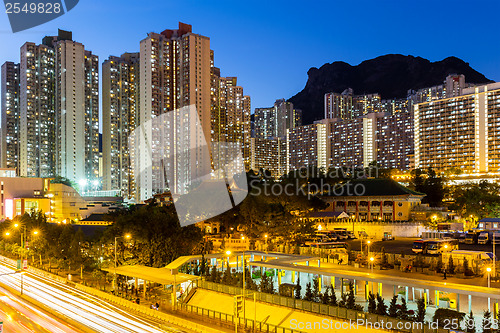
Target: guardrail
[(372, 320), (241, 322)]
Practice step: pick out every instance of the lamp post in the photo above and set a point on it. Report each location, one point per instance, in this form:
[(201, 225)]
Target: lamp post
[(371, 261), (265, 236), (488, 269), (244, 282), (494, 256), (368, 247), (127, 236)]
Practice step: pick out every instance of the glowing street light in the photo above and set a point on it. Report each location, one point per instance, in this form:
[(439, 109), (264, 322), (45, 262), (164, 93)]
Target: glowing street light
[(320, 227), (488, 269), (371, 261), (126, 236), (7, 234)]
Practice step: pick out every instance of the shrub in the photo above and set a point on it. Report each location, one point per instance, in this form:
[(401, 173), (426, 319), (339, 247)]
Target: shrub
[(443, 316)]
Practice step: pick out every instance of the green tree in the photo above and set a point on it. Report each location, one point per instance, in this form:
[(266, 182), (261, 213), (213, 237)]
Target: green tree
[(439, 265), (487, 322), (309, 296), (479, 200), (316, 292), (431, 184), (372, 303), (470, 323), (381, 306), (420, 315), (351, 297), (451, 266), (333, 297), (403, 310), (325, 298), (298, 288), (393, 307), (467, 270)]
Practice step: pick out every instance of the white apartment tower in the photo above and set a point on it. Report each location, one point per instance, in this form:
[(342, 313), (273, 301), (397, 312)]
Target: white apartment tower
[(175, 72), (10, 116), (59, 109)]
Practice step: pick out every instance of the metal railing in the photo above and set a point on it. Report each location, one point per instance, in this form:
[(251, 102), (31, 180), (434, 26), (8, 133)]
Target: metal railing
[(339, 313)]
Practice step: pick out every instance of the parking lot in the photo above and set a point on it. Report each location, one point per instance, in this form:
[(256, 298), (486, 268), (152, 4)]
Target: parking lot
[(404, 245)]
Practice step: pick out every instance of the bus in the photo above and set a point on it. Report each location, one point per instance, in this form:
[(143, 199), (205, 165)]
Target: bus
[(436, 246), (471, 237), (326, 236), (419, 246), (341, 233)]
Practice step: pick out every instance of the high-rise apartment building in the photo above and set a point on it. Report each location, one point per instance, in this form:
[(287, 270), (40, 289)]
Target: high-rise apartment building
[(270, 155), (461, 132), (264, 123), (275, 121), (345, 143), (349, 106), (307, 146), (394, 140), (37, 128), (10, 116), (174, 72), (230, 122), (119, 98), (59, 110), (91, 116)]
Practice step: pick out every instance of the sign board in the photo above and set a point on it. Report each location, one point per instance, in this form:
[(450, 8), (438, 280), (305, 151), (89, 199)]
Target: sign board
[(25, 263), (19, 264), (26, 245)]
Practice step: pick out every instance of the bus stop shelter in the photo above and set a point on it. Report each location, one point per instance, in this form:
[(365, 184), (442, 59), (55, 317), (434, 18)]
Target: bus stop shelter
[(164, 276)]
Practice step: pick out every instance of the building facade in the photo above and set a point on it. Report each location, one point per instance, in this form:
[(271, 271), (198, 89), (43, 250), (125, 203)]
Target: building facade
[(270, 155), (306, 146), (119, 100), (174, 73), (275, 121), (10, 85), (461, 132), (382, 200), (59, 110)]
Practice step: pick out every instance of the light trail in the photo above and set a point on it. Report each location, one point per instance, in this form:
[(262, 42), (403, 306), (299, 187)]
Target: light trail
[(92, 312)]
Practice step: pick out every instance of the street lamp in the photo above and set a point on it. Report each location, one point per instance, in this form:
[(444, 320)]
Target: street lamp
[(126, 236), (371, 261), (265, 236), (368, 246), (228, 253), (488, 269)]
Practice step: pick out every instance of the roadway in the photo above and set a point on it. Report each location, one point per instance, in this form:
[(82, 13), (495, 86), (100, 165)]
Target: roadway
[(85, 309)]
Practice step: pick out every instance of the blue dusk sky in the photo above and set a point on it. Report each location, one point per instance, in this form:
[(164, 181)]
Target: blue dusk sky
[(270, 45)]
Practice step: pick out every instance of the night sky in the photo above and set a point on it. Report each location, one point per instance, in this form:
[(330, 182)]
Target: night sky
[(270, 45)]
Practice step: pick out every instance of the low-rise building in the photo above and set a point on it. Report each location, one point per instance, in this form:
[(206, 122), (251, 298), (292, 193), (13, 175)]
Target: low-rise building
[(60, 202), (365, 200)]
